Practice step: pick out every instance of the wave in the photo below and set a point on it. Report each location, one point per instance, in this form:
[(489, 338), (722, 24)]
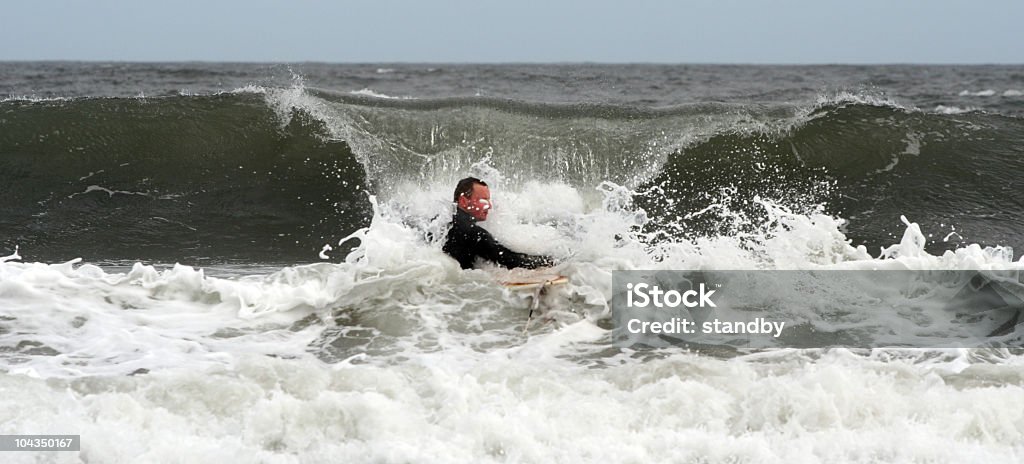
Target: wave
[(211, 177), (868, 164), (272, 174)]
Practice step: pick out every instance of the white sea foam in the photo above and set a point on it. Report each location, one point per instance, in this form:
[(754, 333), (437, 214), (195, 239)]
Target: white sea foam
[(943, 109), (506, 406), (366, 92), (862, 98), (979, 93), (33, 99), (250, 89), (97, 188)]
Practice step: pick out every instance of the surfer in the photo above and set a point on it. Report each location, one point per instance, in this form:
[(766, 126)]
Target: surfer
[(467, 241)]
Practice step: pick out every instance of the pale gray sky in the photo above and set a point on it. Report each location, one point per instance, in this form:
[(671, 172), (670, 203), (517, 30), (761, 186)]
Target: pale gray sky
[(666, 31)]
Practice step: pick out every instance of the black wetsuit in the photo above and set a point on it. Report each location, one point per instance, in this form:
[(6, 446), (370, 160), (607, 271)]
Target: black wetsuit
[(467, 241)]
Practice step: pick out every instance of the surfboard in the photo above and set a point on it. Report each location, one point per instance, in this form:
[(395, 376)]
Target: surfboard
[(537, 284), (532, 282)]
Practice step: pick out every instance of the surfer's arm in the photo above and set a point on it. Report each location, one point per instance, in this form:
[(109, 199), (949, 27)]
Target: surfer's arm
[(514, 260), (488, 248)]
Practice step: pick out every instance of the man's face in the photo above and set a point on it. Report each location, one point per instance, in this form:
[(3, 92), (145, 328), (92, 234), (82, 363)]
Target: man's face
[(477, 203)]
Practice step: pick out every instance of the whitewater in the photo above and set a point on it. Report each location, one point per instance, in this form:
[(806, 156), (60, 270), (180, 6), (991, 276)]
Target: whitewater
[(396, 355)]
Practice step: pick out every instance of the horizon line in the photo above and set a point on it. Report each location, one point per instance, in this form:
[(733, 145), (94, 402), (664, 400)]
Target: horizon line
[(512, 63)]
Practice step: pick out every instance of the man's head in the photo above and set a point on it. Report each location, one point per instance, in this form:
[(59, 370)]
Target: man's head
[(473, 197)]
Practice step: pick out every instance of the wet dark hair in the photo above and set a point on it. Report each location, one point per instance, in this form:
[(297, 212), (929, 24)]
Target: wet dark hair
[(465, 187)]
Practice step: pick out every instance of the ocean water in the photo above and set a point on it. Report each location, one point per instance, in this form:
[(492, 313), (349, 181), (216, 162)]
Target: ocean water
[(209, 262)]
